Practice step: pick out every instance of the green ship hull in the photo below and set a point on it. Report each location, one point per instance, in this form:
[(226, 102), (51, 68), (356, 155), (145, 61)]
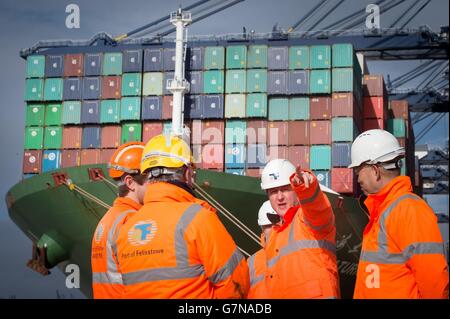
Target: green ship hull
[(60, 221)]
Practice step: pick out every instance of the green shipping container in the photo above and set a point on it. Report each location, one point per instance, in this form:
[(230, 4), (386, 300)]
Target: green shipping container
[(71, 113), (278, 109), (131, 84), (235, 105), (396, 127), (320, 57), (257, 81), (257, 105), (236, 57), (235, 81), (214, 58), (34, 89), (35, 115), (110, 111), (213, 82), (343, 80), (53, 137), (257, 56), (53, 114), (298, 57), (53, 89), (235, 132), (343, 55), (112, 64), (299, 108), (35, 66), (343, 129), (131, 132), (320, 82), (153, 83), (130, 108), (34, 137), (320, 157)]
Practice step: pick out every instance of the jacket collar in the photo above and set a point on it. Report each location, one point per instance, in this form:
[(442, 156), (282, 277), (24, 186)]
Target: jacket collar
[(127, 203)]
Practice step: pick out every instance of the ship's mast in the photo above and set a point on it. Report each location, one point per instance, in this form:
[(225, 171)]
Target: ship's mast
[(178, 85)]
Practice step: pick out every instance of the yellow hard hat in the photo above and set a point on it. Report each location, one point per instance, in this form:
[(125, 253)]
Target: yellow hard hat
[(165, 151)]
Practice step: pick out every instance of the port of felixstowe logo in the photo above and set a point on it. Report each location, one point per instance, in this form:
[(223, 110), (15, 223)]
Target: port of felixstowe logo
[(142, 232)]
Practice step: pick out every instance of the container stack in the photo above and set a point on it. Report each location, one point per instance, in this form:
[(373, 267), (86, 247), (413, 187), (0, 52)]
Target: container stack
[(247, 104)]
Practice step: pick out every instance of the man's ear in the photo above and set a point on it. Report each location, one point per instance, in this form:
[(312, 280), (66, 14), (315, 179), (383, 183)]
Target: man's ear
[(129, 182), (377, 171)]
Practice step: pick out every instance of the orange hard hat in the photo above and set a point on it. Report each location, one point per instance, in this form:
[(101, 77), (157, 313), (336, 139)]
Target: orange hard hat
[(126, 159)]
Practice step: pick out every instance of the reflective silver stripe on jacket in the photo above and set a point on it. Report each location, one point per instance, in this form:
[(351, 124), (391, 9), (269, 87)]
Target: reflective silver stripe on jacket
[(251, 267), (183, 270), (112, 275), (382, 256)]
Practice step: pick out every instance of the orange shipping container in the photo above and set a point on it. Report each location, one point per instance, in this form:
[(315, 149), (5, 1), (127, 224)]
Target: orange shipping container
[(399, 109), (299, 155), (72, 137), (106, 154), (374, 107), (343, 180), (111, 87), (257, 132), (212, 156), (167, 107), (277, 133), (32, 161), (276, 151), (150, 130), (371, 124), (90, 156), (320, 132), (70, 158), (320, 108), (110, 136), (73, 64), (298, 133), (253, 172)]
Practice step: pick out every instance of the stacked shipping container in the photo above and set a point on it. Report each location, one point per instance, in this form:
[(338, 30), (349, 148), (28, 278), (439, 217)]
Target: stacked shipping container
[(246, 105)]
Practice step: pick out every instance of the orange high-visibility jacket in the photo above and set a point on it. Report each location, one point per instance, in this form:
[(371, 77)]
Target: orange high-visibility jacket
[(402, 254), (176, 247), (257, 270), (106, 278), (301, 255)]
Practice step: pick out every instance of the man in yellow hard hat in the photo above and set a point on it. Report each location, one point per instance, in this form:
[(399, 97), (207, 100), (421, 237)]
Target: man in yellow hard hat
[(176, 246)]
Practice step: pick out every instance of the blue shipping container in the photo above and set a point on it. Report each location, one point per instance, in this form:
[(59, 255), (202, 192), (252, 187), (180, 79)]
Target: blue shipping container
[(153, 60), (341, 154), (91, 88), (277, 82), (91, 137), (324, 178), (195, 58), (54, 66), (90, 112), (152, 108), (278, 58), (51, 160), (298, 82), (132, 61), (193, 107), (72, 89), (169, 59), (235, 155), (212, 106), (93, 64), (196, 81)]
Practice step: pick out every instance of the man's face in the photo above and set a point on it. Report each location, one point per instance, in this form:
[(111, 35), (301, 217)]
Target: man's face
[(368, 178), (282, 198)]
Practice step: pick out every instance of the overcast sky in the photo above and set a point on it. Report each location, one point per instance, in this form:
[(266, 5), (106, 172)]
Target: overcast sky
[(23, 23)]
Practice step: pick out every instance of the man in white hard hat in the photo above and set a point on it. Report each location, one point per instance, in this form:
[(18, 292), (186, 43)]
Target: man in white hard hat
[(402, 254), (267, 218), (301, 252)]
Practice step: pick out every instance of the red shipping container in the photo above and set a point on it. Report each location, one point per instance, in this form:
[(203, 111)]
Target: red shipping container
[(343, 180), (345, 105), (299, 155), (197, 155), (298, 133), (90, 156), (371, 124), (212, 156), (150, 130), (73, 64), (253, 172), (257, 132), (106, 154), (167, 107), (213, 132), (276, 151), (278, 133), (110, 136), (32, 161), (196, 133), (111, 87), (399, 109), (373, 85), (320, 132), (320, 108), (70, 158), (72, 137), (374, 107)]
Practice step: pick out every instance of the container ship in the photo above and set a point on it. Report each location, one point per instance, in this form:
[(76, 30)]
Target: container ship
[(251, 99)]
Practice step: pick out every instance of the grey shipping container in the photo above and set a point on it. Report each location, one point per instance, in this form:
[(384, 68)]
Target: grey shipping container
[(213, 106), (341, 156), (169, 59), (195, 58), (91, 137), (167, 76), (72, 89), (93, 64), (277, 82), (153, 60), (91, 88), (152, 108), (54, 66), (132, 61), (298, 82), (278, 58), (193, 107), (195, 78), (90, 112)]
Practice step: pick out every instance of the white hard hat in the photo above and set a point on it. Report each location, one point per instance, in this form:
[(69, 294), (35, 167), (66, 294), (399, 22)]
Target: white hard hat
[(375, 146), (265, 209), (276, 173)]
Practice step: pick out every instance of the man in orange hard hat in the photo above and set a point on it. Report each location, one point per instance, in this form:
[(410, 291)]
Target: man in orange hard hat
[(402, 254), (123, 168), (176, 246)]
